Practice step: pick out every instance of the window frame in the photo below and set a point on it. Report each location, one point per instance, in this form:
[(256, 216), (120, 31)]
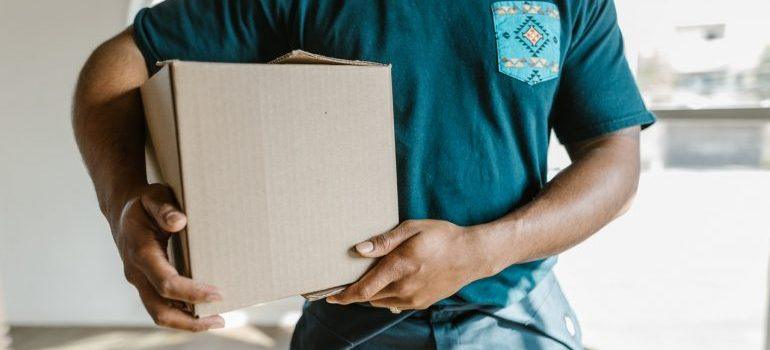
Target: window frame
[(747, 113)]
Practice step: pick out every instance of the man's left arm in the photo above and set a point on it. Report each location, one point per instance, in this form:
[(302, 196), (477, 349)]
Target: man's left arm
[(424, 261)]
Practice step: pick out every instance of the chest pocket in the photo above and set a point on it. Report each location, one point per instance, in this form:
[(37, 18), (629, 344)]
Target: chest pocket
[(528, 39)]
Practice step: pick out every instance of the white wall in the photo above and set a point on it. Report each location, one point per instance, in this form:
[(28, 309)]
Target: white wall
[(58, 264), (57, 261)]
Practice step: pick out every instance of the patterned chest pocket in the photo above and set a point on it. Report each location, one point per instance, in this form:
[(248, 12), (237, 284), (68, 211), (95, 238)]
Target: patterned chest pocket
[(528, 39)]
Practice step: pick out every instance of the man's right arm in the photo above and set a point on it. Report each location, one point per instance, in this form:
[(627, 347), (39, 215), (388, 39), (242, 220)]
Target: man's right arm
[(109, 126)]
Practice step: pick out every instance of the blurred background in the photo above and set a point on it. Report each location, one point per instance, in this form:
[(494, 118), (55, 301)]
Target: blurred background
[(686, 268)]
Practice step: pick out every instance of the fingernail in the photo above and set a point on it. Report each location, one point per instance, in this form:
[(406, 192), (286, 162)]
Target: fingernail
[(173, 217), (331, 300), (365, 247)]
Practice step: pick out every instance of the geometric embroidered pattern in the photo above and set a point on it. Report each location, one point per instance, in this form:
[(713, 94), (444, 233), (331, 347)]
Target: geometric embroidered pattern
[(531, 33), (527, 34), (530, 8), (533, 62)]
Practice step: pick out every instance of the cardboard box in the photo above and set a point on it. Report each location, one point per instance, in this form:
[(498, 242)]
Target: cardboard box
[(280, 168)]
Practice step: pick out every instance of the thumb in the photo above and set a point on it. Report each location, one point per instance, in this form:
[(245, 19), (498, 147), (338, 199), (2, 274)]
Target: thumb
[(159, 202), (382, 244)]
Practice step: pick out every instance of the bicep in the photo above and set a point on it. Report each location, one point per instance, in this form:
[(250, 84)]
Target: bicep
[(113, 69)]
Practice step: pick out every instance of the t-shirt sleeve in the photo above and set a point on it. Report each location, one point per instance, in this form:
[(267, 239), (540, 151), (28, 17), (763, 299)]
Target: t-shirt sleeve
[(597, 92), (210, 30)]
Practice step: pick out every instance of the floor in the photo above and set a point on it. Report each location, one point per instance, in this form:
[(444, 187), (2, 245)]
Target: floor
[(96, 338)]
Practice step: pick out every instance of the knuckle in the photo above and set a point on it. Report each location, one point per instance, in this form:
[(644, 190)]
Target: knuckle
[(134, 255), (404, 266), (397, 264), (166, 288), (415, 302), (162, 319), (402, 289), (414, 268), (146, 198), (365, 292), (383, 241), (141, 254), (131, 276), (165, 208)]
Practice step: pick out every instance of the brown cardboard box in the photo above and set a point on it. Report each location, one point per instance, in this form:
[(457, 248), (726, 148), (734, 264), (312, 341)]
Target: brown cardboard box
[(281, 169)]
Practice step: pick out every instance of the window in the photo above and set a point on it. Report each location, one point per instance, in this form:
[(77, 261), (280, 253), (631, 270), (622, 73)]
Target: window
[(686, 268), (698, 55)]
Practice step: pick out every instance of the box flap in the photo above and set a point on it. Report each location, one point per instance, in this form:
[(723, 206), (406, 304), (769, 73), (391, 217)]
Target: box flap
[(304, 57), (165, 63)]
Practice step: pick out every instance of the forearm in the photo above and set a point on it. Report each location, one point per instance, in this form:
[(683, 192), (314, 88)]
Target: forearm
[(591, 192), (108, 122)]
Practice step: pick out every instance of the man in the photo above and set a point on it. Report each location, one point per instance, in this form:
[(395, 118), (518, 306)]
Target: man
[(478, 86)]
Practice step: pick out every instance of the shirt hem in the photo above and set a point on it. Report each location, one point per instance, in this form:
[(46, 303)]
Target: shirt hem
[(143, 43), (645, 119)]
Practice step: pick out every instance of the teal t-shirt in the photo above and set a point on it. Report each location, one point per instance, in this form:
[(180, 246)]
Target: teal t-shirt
[(477, 88)]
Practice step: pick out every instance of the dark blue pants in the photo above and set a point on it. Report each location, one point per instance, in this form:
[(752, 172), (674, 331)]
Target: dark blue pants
[(542, 320)]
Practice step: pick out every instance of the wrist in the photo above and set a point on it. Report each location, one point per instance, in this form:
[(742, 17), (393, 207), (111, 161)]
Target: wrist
[(495, 244), (485, 260)]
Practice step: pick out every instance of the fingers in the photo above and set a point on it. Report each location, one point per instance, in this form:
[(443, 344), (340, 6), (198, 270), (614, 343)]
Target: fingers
[(403, 302), (401, 295), (383, 244), (395, 301), (147, 267), (152, 261), (159, 202), (387, 270), (372, 282), (395, 289), (165, 314)]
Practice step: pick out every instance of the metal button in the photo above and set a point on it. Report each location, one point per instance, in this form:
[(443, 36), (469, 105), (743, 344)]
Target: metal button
[(570, 325)]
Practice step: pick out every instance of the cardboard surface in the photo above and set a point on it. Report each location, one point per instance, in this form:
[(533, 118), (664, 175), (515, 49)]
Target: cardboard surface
[(281, 169)]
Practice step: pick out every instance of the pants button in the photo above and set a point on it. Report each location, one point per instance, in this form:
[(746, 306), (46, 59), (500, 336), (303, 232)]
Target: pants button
[(570, 325)]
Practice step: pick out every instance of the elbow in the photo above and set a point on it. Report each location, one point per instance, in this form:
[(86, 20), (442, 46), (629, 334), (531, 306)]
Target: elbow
[(626, 205), (629, 197)]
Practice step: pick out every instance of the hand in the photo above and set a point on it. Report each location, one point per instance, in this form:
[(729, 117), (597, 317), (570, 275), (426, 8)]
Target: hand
[(145, 225), (423, 262)]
